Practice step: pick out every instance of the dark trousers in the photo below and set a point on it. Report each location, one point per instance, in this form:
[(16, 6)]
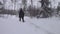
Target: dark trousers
[(21, 18)]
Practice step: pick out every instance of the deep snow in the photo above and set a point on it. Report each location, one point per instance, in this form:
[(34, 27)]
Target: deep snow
[(10, 24)]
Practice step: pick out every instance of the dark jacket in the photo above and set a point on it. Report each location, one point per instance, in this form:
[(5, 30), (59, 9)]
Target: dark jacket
[(21, 13)]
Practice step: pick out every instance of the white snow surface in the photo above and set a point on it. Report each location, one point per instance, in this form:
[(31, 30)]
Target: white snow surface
[(10, 24)]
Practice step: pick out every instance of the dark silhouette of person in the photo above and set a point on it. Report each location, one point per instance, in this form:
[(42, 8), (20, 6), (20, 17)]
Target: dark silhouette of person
[(21, 15)]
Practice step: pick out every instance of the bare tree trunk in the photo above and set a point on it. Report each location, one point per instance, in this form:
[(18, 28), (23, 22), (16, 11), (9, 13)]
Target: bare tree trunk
[(4, 1), (24, 2), (14, 1)]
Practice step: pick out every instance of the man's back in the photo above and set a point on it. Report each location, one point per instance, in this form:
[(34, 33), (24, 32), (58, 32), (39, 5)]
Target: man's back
[(21, 13)]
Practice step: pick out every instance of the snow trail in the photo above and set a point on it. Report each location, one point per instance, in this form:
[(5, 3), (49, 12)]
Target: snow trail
[(12, 25)]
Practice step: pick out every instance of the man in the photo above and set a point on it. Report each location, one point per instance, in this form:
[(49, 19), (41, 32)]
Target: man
[(21, 15)]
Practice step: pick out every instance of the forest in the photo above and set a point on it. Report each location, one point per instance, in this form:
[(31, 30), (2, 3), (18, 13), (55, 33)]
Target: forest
[(38, 8)]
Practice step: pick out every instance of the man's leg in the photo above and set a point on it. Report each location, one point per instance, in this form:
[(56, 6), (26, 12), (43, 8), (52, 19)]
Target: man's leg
[(20, 19), (23, 19)]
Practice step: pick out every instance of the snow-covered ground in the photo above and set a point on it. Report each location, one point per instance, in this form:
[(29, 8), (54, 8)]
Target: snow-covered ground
[(11, 25)]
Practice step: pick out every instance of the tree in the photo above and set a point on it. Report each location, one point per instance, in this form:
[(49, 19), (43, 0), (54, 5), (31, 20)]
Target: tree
[(4, 1), (24, 2), (45, 7), (58, 8), (31, 2), (13, 1)]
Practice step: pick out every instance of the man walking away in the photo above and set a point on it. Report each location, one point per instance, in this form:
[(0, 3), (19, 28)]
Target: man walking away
[(21, 15)]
